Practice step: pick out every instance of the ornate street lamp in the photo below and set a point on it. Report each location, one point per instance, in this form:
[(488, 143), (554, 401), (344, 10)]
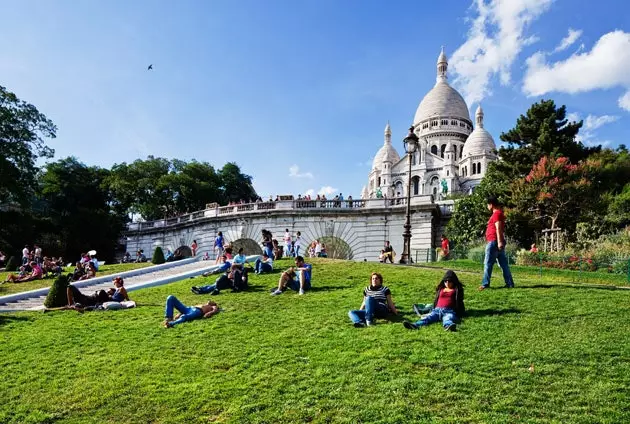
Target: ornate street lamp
[(411, 144)]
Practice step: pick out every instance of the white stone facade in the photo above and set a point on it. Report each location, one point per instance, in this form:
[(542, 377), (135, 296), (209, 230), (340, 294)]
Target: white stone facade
[(451, 156)]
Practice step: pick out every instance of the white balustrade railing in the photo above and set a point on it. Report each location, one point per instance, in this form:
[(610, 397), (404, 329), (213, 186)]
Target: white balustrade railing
[(315, 205)]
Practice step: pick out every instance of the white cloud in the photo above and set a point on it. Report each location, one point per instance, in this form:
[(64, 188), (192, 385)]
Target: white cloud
[(605, 66), (567, 41), (624, 101), (495, 39), (591, 123), (294, 171), (309, 192), (327, 190)]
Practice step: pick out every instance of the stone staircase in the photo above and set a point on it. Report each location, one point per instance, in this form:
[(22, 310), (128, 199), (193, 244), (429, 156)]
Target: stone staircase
[(142, 278)]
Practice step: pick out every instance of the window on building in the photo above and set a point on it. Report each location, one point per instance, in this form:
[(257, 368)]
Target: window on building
[(379, 181), (444, 122), (415, 182), (479, 167), (434, 150), (461, 151), (442, 150), (447, 172), (453, 122)]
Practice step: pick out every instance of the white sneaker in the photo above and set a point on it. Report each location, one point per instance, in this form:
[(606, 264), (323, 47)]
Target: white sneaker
[(301, 291), (276, 293), (369, 323)]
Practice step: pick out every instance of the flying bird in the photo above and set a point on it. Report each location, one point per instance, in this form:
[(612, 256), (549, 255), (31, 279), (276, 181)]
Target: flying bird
[(150, 67)]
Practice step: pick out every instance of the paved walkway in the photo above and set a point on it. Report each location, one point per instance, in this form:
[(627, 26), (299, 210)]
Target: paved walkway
[(136, 282)]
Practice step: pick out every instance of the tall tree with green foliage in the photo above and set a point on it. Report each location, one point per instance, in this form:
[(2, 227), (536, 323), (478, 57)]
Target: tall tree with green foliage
[(23, 130), (235, 185), (542, 131), (76, 203)]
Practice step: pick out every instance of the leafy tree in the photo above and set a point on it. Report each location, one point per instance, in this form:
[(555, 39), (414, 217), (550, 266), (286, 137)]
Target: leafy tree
[(554, 191), (23, 130), (542, 131), (76, 201), (235, 185), (158, 256), (12, 264)]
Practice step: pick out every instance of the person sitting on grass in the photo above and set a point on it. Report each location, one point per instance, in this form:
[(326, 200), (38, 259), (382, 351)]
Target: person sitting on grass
[(80, 301), (240, 259), (264, 265), (235, 278), (36, 274), (377, 303), (296, 278), (448, 305), (187, 313), (90, 271)]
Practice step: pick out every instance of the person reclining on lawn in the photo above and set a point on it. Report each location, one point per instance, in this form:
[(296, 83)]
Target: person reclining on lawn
[(263, 265), (187, 313), (235, 279), (377, 303), (296, 278), (36, 274), (448, 305), (80, 301)]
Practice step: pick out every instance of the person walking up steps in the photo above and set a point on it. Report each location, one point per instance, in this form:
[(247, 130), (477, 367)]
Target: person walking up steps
[(495, 249)]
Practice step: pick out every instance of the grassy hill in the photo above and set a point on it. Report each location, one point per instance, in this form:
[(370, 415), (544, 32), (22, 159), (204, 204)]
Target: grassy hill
[(543, 352)]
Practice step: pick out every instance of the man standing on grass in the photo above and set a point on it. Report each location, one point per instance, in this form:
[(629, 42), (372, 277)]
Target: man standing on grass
[(495, 249), (296, 278)]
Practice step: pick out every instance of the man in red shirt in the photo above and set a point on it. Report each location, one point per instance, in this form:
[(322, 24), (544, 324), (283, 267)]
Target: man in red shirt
[(495, 249)]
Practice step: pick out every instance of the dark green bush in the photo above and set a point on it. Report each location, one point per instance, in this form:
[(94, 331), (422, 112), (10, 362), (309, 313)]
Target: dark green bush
[(57, 295), (12, 264), (158, 256)]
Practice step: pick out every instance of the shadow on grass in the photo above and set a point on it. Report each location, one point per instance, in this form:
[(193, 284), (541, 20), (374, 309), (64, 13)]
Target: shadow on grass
[(326, 288), (579, 286), (5, 318), (471, 313)]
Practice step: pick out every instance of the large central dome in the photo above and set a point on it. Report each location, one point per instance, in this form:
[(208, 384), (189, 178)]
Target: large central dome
[(442, 100)]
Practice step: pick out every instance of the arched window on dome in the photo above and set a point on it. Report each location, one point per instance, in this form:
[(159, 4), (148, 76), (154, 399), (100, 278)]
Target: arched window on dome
[(434, 150), (474, 168), (479, 167), (442, 150), (415, 183)]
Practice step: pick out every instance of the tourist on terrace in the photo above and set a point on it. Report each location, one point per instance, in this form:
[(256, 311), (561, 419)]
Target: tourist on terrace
[(193, 248), (377, 303), (297, 244), (448, 305), (267, 242), (389, 252), (36, 274), (25, 255), (287, 242), (445, 247), (263, 265), (187, 313), (296, 278)]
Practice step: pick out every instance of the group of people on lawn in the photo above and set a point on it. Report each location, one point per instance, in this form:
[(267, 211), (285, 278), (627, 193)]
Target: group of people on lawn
[(447, 307)]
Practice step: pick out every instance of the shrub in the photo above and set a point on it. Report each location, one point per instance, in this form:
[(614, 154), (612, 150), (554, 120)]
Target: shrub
[(57, 295), (477, 253), (158, 256), (12, 264)]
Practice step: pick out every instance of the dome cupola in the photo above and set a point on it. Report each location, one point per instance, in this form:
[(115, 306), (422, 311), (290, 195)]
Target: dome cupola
[(479, 142)]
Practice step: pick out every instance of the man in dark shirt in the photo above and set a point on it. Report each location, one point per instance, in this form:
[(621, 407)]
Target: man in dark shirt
[(389, 252)]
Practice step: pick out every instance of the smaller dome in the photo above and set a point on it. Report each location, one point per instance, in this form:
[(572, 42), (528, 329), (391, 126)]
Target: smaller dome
[(387, 153), (479, 142)]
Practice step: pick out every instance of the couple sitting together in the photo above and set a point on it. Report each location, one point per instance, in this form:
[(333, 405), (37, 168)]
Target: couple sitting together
[(81, 302), (448, 305)]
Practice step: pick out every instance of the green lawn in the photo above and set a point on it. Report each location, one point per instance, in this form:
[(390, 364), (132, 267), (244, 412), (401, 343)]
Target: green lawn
[(293, 358), (8, 288)]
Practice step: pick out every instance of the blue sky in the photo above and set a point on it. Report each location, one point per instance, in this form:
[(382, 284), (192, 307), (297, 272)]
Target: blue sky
[(298, 92)]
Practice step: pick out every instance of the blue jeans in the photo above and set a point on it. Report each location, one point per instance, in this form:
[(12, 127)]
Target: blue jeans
[(492, 254), (297, 251), (373, 309), (207, 289), (295, 284), (446, 315), (261, 267), (268, 251), (188, 312)]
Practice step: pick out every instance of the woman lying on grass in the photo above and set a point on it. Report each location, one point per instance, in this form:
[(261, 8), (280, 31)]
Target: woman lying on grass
[(448, 305), (187, 313), (377, 303)]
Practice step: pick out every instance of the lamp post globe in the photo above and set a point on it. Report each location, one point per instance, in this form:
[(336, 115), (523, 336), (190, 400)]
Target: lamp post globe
[(411, 145)]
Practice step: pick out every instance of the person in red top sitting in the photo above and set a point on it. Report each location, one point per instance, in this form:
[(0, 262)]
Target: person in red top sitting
[(36, 274), (495, 249), (448, 305)]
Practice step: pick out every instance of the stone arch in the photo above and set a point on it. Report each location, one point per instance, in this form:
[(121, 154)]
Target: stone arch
[(250, 247), (336, 248), (434, 150)]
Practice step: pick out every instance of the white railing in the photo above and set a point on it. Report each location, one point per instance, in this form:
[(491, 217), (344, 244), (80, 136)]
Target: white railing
[(343, 206)]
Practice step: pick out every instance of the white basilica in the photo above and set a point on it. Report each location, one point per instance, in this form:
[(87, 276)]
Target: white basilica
[(451, 156)]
